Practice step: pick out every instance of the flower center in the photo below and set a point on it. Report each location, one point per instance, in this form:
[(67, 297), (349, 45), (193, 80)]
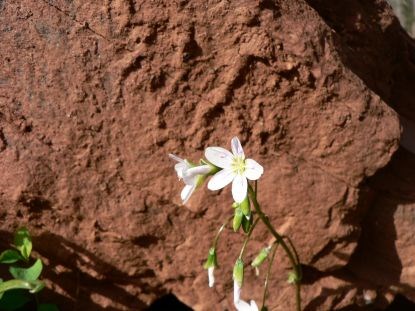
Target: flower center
[(238, 165)]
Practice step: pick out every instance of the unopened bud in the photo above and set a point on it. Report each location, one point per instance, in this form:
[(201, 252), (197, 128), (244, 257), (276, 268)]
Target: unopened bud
[(246, 223), (293, 277), (211, 261), (238, 272), (245, 207), (260, 258), (237, 219)]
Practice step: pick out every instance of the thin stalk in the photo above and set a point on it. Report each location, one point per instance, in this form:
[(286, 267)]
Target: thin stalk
[(275, 247), (296, 267), (215, 241), (297, 258), (248, 236)]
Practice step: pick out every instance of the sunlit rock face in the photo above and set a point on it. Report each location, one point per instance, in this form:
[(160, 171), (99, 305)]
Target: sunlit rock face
[(94, 95)]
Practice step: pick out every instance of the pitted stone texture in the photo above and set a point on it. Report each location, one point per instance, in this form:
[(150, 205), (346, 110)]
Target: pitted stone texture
[(93, 97)]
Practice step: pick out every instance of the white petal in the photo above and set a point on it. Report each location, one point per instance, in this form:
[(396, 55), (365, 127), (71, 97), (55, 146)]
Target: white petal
[(211, 276), (253, 169), (254, 306), (237, 147), (239, 188), (175, 157), (221, 179), (187, 192), (236, 292), (180, 169), (219, 156), (190, 175), (198, 170), (242, 306)]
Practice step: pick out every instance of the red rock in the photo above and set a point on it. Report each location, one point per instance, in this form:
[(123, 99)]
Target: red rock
[(94, 96)]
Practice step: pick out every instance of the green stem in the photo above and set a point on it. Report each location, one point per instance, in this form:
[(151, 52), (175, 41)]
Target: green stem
[(275, 247), (248, 236), (215, 241), (295, 265)]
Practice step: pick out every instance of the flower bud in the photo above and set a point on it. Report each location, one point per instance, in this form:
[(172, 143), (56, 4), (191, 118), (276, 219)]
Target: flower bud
[(238, 272), (246, 223), (245, 207), (211, 261), (237, 219), (293, 277), (260, 258)]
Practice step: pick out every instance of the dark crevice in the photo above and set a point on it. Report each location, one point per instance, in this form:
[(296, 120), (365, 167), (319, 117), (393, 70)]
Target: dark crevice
[(168, 302), (401, 303)]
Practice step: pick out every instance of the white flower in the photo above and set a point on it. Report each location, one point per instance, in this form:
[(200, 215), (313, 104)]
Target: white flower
[(190, 175), (235, 169), (211, 276), (241, 305)]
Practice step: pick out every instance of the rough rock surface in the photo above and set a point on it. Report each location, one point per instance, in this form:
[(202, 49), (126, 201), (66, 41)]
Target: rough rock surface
[(93, 95)]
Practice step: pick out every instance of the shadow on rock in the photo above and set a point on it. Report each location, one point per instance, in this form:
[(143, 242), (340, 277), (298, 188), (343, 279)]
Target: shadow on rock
[(98, 283)]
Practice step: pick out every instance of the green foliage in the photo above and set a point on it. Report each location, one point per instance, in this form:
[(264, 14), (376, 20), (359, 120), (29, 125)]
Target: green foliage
[(23, 242), (14, 299), (47, 307), (17, 293), (10, 256), (27, 274)]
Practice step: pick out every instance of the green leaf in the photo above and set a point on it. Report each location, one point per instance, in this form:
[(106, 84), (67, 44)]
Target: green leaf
[(10, 256), (23, 242), (237, 219), (21, 284), (14, 299), (27, 274), (47, 307)]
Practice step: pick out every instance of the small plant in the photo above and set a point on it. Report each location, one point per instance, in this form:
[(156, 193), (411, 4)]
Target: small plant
[(19, 293), (227, 167)]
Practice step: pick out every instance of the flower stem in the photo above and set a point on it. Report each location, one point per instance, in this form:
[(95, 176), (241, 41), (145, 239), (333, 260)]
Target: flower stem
[(275, 247), (279, 239), (248, 236), (215, 241)]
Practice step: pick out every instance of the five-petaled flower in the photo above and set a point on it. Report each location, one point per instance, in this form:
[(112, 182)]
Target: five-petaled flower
[(190, 174), (235, 169), (241, 305)]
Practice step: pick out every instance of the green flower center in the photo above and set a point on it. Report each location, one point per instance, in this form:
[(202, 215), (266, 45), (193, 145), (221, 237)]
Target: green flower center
[(238, 165)]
